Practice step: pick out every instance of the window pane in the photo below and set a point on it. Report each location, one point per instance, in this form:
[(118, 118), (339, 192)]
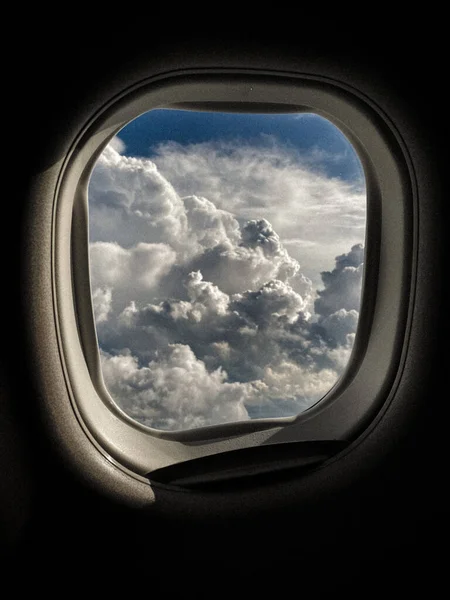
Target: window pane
[(226, 255)]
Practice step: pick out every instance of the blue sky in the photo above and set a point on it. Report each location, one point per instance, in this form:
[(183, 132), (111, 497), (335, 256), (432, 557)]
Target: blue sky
[(303, 132)]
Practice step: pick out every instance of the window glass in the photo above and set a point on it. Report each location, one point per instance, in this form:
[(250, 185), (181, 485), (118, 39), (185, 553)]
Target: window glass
[(226, 256)]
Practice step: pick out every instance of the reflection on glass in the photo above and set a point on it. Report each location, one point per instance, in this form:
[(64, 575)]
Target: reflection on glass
[(226, 255)]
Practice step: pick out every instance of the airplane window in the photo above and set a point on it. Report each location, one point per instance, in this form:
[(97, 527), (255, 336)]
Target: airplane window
[(226, 256)]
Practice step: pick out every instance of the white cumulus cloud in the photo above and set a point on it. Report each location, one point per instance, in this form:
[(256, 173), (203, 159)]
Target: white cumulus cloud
[(271, 181), (204, 314), (101, 300), (129, 272), (175, 392)]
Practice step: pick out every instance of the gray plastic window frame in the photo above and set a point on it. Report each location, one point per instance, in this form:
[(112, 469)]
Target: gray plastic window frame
[(379, 349)]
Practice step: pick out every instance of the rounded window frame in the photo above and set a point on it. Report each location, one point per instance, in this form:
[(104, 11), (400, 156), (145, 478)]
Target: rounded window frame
[(379, 350)]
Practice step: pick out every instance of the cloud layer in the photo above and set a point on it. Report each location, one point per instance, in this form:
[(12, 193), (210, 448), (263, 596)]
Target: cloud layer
[(203, 315), (317, 217)]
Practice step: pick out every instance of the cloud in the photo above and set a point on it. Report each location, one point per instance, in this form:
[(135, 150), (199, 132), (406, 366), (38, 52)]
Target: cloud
[(274, 300), (209, 226), (260, 340), (343, 284), (340, 325), (175, 392), (258, 257), (203, 315), (117, 144), (127, 272), (270, 181), (101, 300), (206, 297), (130, 200)]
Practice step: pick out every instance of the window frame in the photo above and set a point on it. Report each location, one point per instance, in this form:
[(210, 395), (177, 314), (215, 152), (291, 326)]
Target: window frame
[(376, 362)]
